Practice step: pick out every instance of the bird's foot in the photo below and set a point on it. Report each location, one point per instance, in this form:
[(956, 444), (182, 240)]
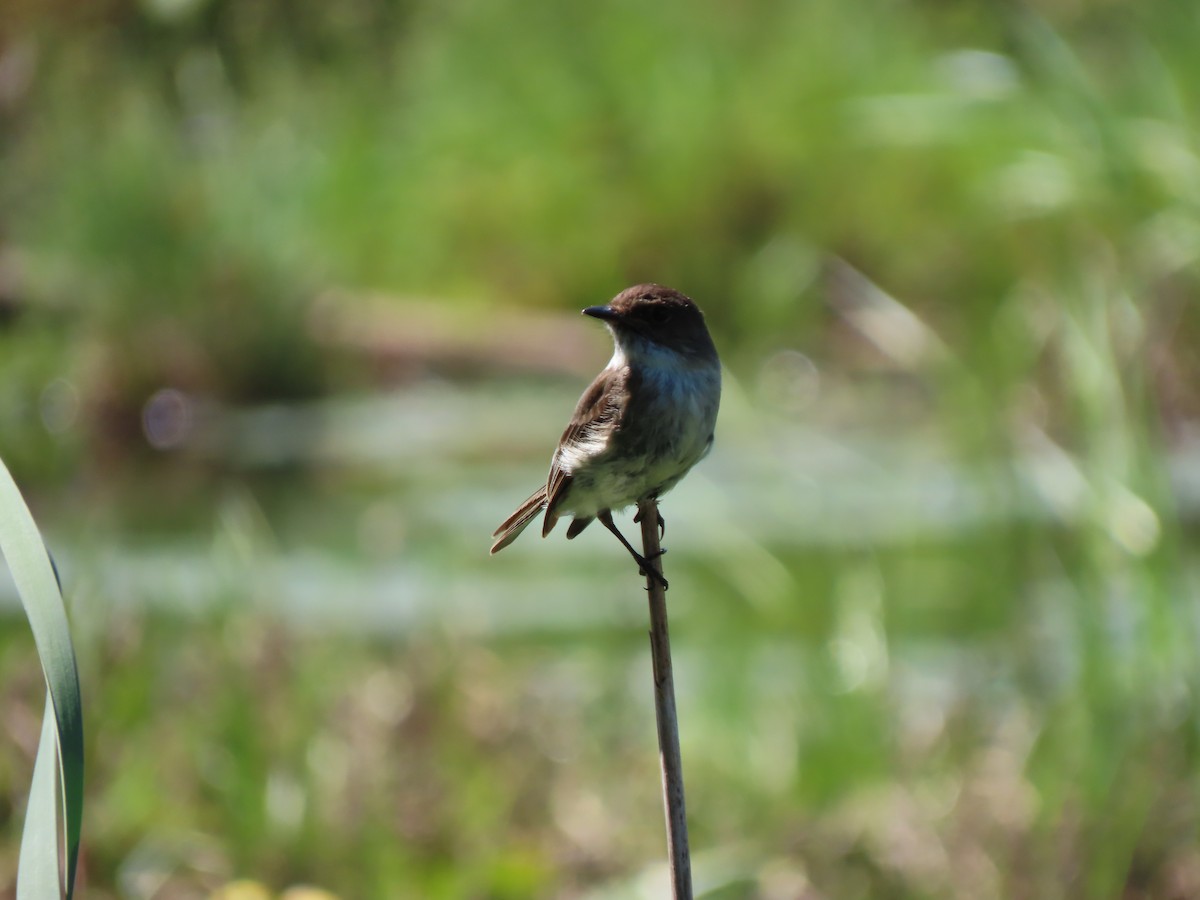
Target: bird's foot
[(644, 567), (662, 523)]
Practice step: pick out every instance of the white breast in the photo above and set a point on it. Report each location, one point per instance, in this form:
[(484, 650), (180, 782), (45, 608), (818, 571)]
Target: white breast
[(676, 422)]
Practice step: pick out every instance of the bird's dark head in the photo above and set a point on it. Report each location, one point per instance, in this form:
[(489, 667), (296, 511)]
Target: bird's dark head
[(658, 315)]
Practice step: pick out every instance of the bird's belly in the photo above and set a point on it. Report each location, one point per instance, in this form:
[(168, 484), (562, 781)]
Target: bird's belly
[(619, 483), (648, 456)]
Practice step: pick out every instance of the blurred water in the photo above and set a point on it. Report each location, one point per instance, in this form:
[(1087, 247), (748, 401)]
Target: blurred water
[(448, 463)]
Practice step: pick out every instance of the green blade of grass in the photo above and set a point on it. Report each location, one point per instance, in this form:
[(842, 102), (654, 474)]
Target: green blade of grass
[(62, 732), (38, 873)]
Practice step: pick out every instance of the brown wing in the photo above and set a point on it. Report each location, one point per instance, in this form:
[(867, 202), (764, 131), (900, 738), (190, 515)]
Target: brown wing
[(598, 412)]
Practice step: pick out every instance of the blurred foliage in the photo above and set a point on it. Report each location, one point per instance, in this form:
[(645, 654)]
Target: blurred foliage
[(980, 223), (214, 164)]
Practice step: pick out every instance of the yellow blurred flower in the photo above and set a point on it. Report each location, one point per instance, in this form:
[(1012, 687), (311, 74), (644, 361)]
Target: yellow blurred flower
[(241, 890)]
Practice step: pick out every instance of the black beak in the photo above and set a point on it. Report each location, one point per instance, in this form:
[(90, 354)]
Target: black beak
[(607, 313)]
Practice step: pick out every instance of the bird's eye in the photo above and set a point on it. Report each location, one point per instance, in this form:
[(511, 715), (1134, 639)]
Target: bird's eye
[(656, 315)]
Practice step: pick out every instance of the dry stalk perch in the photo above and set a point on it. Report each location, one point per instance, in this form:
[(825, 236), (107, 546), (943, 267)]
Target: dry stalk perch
[(664, 710)]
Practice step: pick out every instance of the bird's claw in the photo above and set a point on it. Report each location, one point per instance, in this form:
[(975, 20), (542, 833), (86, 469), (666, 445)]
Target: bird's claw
[(644, 567), (654, 575), (662, 523)]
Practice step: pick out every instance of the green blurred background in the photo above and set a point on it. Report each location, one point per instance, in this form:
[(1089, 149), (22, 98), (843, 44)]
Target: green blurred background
[(289, 301)]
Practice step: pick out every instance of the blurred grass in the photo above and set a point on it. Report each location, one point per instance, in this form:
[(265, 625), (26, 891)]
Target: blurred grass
[(259, 204)]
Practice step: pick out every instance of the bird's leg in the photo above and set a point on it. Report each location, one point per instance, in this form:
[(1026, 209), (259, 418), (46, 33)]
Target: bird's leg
[(644, 566), (662, 523)]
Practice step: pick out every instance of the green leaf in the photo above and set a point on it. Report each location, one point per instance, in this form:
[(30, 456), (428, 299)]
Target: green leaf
[(38, 872), (59, 761)]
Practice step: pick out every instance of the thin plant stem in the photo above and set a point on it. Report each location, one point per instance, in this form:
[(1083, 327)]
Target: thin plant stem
[(664, 710)]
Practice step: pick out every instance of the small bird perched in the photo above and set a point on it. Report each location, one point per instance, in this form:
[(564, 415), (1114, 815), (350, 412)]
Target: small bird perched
[(640, 426)]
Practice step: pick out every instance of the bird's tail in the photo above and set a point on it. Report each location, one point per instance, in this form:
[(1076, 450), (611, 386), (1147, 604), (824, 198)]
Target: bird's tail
[(515, 524)]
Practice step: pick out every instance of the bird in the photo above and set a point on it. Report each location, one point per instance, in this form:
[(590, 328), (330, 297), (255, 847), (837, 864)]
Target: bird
[(640, 426)]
